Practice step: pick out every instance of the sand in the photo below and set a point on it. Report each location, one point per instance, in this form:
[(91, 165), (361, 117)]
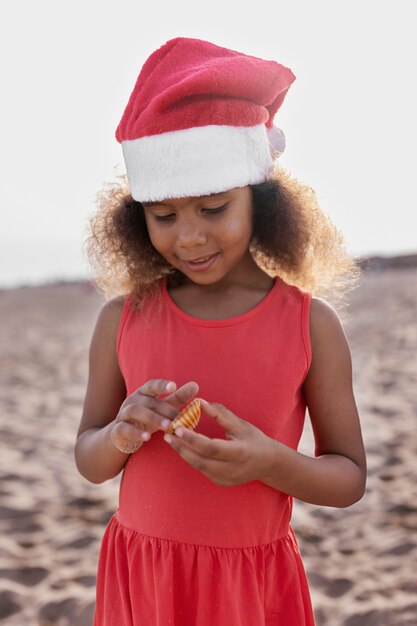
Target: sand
[(361, 561)]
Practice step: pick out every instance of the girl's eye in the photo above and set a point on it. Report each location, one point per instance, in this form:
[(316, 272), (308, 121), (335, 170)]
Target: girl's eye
[(163, 218), (171, 216), (216, 210)]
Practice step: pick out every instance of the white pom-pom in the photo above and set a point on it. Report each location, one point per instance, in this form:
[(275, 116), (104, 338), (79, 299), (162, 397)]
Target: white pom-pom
[(276, 140)]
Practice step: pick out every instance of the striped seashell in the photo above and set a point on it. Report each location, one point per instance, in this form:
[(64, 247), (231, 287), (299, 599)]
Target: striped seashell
[(188, 417)]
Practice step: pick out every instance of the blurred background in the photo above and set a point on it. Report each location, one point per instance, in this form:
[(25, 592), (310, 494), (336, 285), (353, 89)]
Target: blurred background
[(68, 69)]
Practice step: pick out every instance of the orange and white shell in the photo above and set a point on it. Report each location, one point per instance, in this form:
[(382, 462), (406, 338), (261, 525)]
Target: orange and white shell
[(188, 417)]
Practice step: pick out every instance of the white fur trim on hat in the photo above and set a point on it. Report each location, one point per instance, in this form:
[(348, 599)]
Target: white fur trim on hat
[(276, 140), (196, 161)]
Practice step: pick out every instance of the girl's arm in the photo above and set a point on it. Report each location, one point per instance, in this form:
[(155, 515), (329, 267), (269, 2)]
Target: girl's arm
[(96, 456), (336, 475)]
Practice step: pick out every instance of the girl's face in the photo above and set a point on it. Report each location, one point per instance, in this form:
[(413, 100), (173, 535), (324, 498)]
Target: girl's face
[(203, 237)]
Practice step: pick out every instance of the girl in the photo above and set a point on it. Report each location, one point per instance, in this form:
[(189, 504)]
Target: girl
[(217, 253)]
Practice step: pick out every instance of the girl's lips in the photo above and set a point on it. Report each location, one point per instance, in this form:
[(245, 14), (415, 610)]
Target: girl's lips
[(200, 266)]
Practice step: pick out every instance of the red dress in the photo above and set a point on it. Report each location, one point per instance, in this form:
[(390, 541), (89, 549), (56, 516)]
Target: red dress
[(181, 550)]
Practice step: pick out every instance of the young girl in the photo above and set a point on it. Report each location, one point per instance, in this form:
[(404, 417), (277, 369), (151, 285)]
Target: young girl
[(217, 253)]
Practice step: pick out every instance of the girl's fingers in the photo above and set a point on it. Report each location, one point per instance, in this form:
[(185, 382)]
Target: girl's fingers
[(156, 387), (218, 449), (168, 404), (232, 424), (203, 464), (146, 410), (127, 438), (146, 419), (183, 395)]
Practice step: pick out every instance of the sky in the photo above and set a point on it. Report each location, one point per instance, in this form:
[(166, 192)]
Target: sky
[(68, 69)]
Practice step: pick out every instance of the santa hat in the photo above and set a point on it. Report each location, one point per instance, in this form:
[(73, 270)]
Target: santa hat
[(200, 121)]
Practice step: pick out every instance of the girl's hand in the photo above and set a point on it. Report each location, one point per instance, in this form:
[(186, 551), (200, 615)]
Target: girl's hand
[(143, 413), (242, 457)]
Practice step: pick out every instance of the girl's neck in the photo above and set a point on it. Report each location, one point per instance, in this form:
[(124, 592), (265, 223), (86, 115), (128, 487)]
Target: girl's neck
[(229, 297)]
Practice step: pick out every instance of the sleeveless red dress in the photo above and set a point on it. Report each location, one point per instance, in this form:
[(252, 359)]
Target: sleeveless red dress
[(180, 550)]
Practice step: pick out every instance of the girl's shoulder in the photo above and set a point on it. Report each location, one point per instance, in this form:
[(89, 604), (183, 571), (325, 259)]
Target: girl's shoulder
[(112, 309), (323, 316), (109, 317), (327, 335)]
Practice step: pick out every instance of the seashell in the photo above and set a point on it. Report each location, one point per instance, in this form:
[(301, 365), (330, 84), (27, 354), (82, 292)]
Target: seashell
[(188, 417)]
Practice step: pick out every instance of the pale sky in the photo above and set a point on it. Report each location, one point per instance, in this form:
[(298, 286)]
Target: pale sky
[(68, 69)]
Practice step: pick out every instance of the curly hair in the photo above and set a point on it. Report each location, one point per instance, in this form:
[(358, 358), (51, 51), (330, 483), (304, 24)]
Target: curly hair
[(292, 238)]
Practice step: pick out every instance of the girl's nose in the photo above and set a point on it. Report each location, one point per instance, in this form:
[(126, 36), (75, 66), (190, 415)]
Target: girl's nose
[(190, 235)]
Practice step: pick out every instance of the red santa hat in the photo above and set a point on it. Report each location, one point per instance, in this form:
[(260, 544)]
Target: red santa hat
[(200, 121)]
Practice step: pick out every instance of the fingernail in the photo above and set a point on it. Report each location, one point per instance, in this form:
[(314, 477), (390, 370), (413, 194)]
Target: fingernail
[(168, 438), (145, 435), (179, 431), (169, 385), (165, 424)]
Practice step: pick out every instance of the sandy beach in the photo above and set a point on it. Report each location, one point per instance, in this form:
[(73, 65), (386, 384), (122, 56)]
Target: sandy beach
[(360, 561)]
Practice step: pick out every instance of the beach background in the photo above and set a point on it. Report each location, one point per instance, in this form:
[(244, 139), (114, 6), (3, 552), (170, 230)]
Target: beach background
[(67, 71)]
